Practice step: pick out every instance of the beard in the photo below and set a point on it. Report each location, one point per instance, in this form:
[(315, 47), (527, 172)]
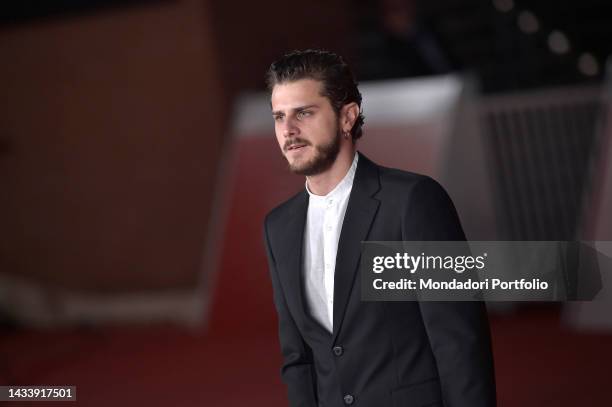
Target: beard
[(324, 156)]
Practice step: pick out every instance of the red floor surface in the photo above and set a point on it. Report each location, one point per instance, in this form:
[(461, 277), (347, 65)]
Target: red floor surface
[(538, 363)]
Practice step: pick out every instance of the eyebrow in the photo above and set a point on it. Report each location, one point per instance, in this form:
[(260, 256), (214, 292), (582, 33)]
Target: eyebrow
[(296, 109)]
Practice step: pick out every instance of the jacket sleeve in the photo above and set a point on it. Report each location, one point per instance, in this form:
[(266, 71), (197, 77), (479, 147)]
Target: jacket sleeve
[(297, 370), (458, 331)]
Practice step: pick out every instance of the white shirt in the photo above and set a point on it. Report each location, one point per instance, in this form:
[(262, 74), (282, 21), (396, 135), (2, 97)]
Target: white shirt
[(321, 236)]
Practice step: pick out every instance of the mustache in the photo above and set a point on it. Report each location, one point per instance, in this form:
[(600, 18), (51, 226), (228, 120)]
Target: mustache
[(295, 140)]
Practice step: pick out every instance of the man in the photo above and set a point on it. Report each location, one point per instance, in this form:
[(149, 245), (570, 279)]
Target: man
[(337, 349)]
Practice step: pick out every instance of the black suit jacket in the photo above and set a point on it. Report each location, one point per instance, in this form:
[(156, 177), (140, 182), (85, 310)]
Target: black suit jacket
[(408, 354)]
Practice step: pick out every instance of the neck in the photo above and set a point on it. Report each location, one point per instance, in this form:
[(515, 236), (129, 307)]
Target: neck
[(325, 182)]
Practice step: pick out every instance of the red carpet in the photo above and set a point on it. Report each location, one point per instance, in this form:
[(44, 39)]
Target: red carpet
[(538, 363)]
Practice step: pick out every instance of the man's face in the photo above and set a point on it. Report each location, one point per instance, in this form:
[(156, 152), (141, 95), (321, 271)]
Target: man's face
[(306, 126)]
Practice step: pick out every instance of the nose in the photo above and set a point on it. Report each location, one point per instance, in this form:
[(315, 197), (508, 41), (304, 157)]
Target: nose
[(289, 128)]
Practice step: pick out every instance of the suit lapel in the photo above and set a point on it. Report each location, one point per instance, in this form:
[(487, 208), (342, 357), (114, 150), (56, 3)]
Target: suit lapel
[(360, 213)]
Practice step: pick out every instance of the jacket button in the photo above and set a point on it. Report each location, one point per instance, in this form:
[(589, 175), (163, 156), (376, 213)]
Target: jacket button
[(348, 399), (338, 350)]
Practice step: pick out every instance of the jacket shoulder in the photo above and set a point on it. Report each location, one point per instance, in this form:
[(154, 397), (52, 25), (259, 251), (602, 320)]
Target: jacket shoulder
[(283, 210), (427, 210), (397, 176), (393, 179)]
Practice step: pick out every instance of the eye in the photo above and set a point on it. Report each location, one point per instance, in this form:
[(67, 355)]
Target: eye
[(303, 113), (278, 117)]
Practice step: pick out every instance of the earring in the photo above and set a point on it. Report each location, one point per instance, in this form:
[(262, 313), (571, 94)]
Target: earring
[(346, 134)]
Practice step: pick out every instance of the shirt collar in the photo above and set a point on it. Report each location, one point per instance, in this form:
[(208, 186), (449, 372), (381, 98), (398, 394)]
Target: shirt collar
[(343, 187)]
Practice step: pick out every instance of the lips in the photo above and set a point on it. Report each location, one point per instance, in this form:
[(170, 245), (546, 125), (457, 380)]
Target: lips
[(293, 147)]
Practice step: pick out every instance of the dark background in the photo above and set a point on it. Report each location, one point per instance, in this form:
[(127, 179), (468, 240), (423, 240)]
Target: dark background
[(131, 263)]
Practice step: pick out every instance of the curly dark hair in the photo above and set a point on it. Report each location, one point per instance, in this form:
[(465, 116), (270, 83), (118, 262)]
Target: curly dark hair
[(339, 84)]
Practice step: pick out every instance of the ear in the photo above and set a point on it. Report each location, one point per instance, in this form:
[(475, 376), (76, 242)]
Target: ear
[(348, 116)]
